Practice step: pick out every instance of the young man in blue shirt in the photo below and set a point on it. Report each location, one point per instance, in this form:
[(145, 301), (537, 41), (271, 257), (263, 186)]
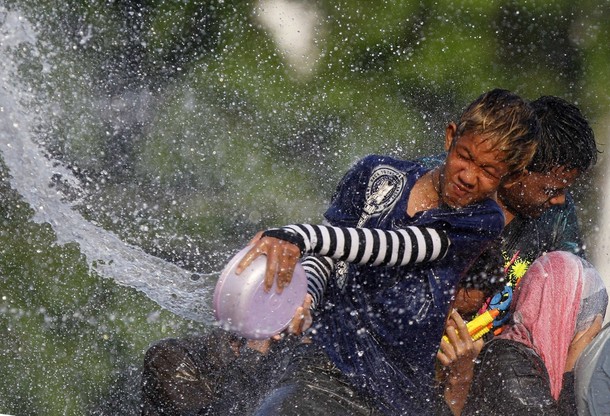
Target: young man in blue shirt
[(379, 331), (375, 340)]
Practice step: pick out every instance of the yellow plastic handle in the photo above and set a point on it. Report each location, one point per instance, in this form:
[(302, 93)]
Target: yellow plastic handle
[(480, 325)]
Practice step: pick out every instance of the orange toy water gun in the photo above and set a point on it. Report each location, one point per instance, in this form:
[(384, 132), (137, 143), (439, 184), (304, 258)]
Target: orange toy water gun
[(480, 325)]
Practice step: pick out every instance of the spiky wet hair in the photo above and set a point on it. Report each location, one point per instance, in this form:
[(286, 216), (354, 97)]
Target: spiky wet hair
[(508, 121), (565, 137)]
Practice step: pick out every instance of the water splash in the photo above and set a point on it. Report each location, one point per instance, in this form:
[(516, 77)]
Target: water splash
[(33, 175)]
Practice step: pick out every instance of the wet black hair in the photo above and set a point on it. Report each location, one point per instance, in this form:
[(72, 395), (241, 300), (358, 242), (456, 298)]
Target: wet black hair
[(565, 137), (487, 272)]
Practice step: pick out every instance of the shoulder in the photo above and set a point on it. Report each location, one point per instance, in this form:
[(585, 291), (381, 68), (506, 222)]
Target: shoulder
[(558, 212), (378, 171), (378, 161), (522, 388), (589, 368), (499, 349), (432, 161), (489, 213), (484, 218), (591, 374), (523, 372), (486, 205), (373, 185)]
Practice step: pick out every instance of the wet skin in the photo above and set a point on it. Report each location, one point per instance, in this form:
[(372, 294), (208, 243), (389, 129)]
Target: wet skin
[(473, 169), (533, 193)]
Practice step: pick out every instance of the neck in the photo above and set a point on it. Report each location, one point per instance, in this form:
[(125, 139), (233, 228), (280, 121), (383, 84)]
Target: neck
[(508, 214), (425, 193), (435, 177)]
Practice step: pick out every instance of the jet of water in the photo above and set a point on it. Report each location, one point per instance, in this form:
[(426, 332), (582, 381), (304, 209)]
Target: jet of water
[(32, 175)]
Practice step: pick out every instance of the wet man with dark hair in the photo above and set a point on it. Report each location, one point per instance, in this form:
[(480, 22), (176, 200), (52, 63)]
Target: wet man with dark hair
[(537, 207)]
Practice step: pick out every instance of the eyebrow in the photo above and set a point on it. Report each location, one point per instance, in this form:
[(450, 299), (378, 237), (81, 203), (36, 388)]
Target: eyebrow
[(482, 165)]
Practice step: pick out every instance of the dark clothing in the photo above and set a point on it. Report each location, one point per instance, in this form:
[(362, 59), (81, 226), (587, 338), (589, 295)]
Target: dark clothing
[(381, 326), (555, 230), (320, 387), (213, 374), (511, 379)]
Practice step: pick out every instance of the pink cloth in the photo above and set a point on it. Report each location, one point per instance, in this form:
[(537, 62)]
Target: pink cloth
[(559, 294)]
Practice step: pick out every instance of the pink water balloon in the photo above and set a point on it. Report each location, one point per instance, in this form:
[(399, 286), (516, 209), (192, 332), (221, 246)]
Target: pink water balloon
[(241, 304)]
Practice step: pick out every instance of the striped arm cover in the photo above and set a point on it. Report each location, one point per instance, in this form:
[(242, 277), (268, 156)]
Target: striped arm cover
[(359, 245), (368, 245), (318, 270)]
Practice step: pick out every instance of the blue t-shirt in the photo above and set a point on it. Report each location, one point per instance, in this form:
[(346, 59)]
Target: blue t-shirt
[(381, 326)]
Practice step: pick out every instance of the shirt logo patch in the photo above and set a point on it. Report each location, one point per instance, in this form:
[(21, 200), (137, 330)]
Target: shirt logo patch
[(384, 188)]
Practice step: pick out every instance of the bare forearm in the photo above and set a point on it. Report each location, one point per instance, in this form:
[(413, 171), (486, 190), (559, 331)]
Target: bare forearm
[(456, 392)]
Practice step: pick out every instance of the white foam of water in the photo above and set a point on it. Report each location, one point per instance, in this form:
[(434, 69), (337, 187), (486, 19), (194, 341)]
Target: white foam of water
[(31, 172)]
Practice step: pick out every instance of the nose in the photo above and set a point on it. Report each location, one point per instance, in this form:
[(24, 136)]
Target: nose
[(468, 178)]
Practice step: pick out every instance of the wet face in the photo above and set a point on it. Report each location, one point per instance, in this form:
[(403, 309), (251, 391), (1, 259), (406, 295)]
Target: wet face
[(472, 171), (533, 193)]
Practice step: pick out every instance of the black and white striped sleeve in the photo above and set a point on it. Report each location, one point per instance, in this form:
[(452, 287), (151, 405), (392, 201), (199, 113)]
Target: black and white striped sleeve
[(371, 246), (318, 270)]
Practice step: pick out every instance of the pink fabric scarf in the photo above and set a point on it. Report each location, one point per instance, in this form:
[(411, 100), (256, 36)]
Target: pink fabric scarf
[(545, 310)]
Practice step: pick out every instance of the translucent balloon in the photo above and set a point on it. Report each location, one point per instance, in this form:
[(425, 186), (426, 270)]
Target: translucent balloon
[(242, 305)]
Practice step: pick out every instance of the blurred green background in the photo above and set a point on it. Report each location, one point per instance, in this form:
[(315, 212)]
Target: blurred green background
[(193, 124)]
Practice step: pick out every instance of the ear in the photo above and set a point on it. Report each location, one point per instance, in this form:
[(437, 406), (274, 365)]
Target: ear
[(450, 132)]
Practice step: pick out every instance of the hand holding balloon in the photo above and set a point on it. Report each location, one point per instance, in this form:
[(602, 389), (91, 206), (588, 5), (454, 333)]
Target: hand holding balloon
[(282, 257)]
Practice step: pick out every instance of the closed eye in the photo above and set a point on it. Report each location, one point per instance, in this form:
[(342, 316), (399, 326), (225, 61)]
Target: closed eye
[(490, 171)]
